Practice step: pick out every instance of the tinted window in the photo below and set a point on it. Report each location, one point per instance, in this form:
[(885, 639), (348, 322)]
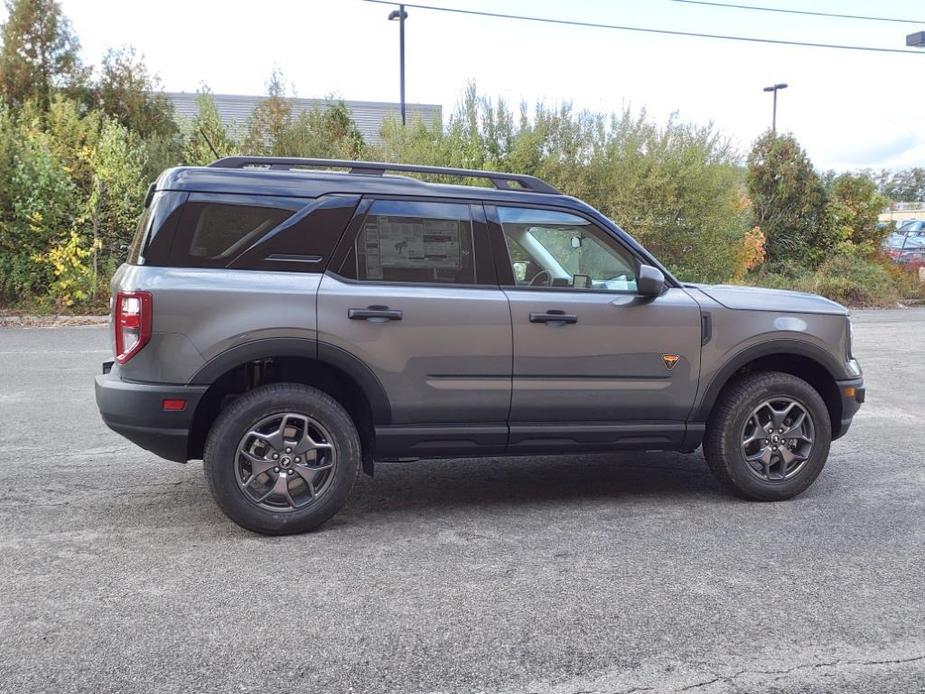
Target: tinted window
[(556, 249), (305, 241), (215, 229), (222, 231), (402, 241), (154, 231)]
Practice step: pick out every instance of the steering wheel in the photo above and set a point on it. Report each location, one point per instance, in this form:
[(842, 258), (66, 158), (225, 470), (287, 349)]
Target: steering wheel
[(534, 281)]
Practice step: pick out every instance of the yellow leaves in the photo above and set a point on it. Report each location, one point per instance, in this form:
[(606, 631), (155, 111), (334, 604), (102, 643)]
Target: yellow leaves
[(743, 202), (73, 276), (751, 252)]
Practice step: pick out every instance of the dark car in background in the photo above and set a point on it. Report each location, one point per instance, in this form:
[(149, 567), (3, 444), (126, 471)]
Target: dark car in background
[(906, 245)]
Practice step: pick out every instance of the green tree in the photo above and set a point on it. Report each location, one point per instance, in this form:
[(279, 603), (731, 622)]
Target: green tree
[(40, 54), (133, 96), (270, 121), (327, 132), (907, 185), (854, 207), (207, 132), (115, 198), (39, 204), (788, 201)]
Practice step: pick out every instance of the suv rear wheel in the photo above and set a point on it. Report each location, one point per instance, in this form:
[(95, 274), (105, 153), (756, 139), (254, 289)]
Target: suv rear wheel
[(768, 437), (282, 458)]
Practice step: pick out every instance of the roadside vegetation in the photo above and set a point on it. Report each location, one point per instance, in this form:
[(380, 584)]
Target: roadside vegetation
[(79, 146)]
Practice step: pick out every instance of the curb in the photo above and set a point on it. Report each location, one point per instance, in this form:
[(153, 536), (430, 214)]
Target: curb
[(36, 321)]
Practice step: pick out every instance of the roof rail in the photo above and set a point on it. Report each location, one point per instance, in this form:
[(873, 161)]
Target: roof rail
[(499, 179)]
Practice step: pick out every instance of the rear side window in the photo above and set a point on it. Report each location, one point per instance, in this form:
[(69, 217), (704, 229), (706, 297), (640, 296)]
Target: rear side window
[(417, 242), (305, 241), (221, 231), (214, 231)]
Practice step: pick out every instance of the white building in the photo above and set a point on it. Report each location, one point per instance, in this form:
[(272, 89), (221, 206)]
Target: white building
[(235, 111)]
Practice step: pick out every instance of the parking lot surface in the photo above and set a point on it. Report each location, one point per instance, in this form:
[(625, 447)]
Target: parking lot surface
[(595, 573)]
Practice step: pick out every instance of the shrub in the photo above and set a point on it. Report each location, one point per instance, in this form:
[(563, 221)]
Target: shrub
[(856, 280)]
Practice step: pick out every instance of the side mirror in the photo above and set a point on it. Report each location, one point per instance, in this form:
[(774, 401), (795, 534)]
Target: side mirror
[(650, 281)]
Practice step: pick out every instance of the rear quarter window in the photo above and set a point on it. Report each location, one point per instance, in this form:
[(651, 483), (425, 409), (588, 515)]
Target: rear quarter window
[(214, 230)]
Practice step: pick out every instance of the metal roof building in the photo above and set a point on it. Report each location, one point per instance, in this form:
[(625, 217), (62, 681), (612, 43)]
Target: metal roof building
[(235, 110)]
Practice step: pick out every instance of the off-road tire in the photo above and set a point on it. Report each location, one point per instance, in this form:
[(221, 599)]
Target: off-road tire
[(722, 443), (243, 414)]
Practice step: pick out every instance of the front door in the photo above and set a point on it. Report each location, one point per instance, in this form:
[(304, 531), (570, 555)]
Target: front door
[(414, 298), (595, 364)]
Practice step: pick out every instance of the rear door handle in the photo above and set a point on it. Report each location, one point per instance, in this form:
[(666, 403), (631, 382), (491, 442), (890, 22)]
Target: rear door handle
[(553, 317), (374, 314)]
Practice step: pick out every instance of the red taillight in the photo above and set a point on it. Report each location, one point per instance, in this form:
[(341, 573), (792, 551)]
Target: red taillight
[(132, 323)]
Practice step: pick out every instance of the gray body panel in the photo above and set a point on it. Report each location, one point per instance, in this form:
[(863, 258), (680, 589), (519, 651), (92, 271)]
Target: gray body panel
[(763, 299), (608, 366), (448, 360), (209, 311)]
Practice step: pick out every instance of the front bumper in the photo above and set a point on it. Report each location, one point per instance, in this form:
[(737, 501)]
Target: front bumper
[(136, 411), (853, 393)]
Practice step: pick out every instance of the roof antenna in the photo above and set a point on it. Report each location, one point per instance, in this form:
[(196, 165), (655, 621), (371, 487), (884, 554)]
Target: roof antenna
[(208, 142)]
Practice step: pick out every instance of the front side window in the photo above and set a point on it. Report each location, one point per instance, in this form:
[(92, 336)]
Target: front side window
[(560, 250), (408, 241)]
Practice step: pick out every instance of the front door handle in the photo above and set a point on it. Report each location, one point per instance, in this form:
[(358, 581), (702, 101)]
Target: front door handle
[(553, 317), (374, 314)]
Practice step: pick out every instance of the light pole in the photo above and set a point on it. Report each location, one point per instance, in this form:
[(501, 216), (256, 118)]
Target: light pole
[(401, 16), (775, 88), (916, 40)]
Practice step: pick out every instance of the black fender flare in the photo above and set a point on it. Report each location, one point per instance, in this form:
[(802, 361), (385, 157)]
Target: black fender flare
[(781, 347), (267, 348)]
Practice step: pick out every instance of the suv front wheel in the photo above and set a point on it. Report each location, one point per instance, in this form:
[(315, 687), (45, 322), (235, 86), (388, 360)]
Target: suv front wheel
[(768, 437), (282, 458)]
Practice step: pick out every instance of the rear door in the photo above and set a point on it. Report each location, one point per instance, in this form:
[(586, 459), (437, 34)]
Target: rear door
[(594, 363), (412, 294)]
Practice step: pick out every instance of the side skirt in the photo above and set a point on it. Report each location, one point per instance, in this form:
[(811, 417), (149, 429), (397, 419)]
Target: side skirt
[(522, 438)]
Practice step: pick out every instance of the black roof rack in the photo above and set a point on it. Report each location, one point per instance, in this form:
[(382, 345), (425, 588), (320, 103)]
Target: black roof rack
[(500, 180)]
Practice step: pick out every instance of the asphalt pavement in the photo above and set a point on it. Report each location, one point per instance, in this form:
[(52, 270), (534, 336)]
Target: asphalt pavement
[(596, 573)]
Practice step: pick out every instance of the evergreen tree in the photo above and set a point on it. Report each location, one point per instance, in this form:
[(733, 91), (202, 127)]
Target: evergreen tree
[(788, 200), (40, 53)]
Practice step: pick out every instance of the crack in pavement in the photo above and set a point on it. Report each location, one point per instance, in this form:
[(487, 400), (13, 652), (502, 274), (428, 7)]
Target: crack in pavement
[(803, 666)]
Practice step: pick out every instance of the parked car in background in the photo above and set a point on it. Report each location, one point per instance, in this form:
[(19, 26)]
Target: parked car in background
[(906, 245)]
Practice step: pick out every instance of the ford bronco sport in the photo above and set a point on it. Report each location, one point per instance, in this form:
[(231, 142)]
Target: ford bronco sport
[(291, 324)]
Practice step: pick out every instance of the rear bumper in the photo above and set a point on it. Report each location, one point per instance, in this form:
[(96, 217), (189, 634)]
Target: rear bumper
[(853, 393), (136, 411)]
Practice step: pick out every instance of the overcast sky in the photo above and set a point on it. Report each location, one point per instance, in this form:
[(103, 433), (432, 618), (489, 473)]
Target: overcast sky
[(849, 109)]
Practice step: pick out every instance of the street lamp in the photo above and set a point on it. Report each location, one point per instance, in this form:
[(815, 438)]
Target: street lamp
[(916, 40), (775, 88), (401, 16)]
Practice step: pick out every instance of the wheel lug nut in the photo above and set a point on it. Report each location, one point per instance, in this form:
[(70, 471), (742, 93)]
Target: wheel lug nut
[(298, 460), (275, 456), (276, 469), (289, 450)]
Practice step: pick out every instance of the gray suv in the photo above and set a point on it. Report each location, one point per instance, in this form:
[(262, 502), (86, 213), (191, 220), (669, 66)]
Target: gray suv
[(292, 321)]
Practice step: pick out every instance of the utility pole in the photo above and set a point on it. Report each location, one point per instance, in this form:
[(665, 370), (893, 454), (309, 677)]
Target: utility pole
[(775, 88), (401, 16)]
